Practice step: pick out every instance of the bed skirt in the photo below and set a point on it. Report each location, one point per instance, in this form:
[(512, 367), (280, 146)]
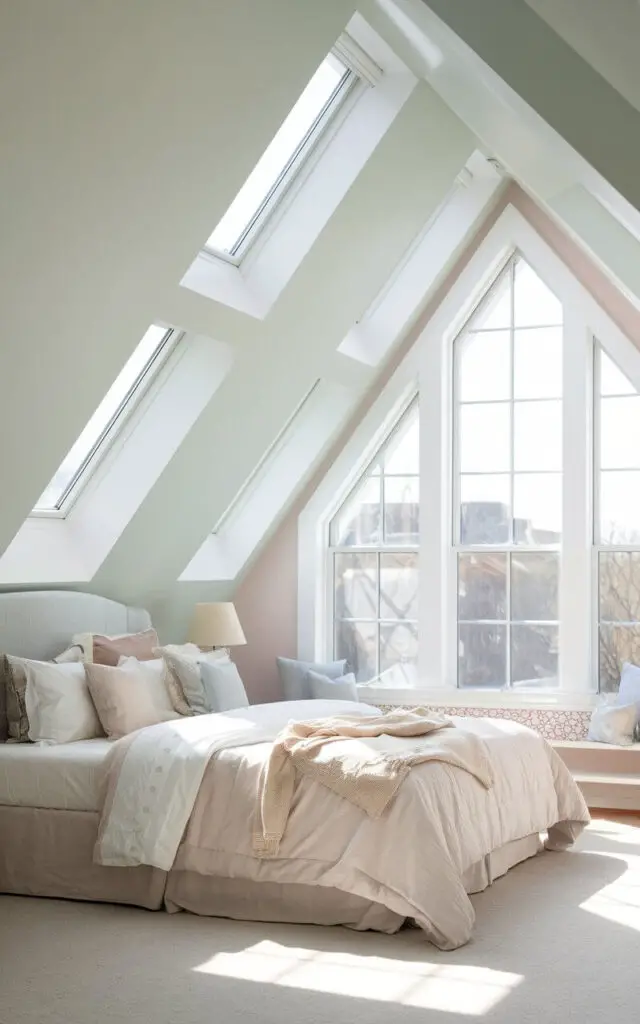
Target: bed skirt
[(49, 853)]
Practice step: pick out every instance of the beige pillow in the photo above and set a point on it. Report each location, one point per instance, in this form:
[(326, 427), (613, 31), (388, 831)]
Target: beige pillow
[(130, 696), (107, 650)]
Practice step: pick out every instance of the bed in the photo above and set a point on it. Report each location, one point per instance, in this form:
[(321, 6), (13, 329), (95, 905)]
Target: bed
[(52, 809)]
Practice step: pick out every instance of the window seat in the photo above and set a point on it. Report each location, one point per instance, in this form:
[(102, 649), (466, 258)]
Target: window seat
[(608, 775)]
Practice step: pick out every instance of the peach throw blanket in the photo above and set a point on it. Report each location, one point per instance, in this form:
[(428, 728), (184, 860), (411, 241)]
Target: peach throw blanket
[(363, 760)]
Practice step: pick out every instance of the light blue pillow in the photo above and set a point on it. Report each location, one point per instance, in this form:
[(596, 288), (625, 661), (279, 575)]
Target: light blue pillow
[(223, 688), (324, 688), (293, 676)]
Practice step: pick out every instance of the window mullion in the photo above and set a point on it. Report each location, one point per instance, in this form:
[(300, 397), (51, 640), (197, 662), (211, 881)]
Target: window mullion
[(435, 558), (575, 611)]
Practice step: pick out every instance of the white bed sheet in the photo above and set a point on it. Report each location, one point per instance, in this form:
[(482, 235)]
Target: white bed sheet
[(64, 777)]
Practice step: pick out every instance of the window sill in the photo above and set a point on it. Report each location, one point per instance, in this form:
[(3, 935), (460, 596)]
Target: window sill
[(440, 697)]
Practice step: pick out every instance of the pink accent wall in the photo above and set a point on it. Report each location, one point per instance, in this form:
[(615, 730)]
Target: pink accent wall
[(267, 596)]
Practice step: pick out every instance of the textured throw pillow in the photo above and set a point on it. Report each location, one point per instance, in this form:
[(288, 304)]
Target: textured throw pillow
[(324, 688), (4, 724), (187, 692), (222, 686), (293, 676), (58, 703), (13, 680), (107, 650), (613, 723), (170, 655), (129, 696)]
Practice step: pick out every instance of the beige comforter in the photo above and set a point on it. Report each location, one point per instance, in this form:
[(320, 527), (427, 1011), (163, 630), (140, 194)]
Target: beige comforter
[(363, 760), (411, 859)]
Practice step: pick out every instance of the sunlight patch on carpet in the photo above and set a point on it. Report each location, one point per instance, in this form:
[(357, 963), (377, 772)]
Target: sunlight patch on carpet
[(462, 989), (620, 900)]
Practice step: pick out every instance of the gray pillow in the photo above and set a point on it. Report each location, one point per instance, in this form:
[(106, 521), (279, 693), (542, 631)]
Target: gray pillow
[(323, 688), (293, 676), (222, 685)]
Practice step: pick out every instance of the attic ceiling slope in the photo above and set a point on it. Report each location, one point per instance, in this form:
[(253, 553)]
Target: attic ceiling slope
[(569, 94), (605, 34), (340, 277), (124, 150)]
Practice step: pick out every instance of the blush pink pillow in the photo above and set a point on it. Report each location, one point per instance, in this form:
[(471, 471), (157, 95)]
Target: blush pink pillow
[(130, 696), (107, 650)]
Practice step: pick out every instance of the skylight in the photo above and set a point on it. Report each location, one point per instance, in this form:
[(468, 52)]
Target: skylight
[(283, 156), (100, 428)]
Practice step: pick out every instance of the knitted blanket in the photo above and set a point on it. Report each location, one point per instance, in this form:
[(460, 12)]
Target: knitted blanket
[(363, 760)]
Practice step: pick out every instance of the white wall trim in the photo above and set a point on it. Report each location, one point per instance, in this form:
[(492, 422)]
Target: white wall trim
[(439, 697)]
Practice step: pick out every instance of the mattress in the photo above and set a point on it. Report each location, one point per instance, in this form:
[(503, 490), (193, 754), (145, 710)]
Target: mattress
[(65, 777)]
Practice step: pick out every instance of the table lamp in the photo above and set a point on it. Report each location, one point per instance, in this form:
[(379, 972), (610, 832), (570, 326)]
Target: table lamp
[(215, 624)]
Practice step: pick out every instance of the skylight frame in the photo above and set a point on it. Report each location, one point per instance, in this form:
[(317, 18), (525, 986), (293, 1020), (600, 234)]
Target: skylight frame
[(127, 407), (360, 70)]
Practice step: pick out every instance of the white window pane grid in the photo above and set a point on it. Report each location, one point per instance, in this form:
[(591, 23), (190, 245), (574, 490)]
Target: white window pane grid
[(508, 483), (616, 519), (508, 624), (383, 508), (284, 155), (508, 427), (374, 540), (118, 401), (375, 609)]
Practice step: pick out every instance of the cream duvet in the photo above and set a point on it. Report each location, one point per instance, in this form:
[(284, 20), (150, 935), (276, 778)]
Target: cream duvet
[(184, 795)]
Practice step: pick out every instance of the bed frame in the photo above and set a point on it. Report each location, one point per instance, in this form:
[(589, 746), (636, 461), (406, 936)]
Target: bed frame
[(46, 852)]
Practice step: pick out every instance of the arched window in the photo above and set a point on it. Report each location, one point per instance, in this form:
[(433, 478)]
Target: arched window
[(507, 557)]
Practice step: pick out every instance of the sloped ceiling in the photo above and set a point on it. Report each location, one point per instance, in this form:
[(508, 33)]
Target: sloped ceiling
[(130, 129)]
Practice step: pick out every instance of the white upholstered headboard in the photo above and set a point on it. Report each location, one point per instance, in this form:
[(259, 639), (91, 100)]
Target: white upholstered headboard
[(39, 623)]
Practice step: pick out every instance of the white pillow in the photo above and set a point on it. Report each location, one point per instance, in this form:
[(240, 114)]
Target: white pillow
[(629, 692), (324, 688), (222, 686), (59, 704), (613, 723), (155, 672)]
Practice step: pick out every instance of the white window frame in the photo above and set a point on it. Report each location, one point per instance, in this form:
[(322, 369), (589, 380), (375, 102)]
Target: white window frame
[(432, 358), (305, 155), (320, 184), (510, 547), (375, 549), (598, 546), (70, 550), (98, 452)]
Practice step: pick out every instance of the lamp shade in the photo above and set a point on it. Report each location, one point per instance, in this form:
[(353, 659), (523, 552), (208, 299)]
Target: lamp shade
[(216, 625)]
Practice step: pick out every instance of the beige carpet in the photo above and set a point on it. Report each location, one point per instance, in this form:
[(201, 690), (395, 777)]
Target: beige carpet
[(558, 939)]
